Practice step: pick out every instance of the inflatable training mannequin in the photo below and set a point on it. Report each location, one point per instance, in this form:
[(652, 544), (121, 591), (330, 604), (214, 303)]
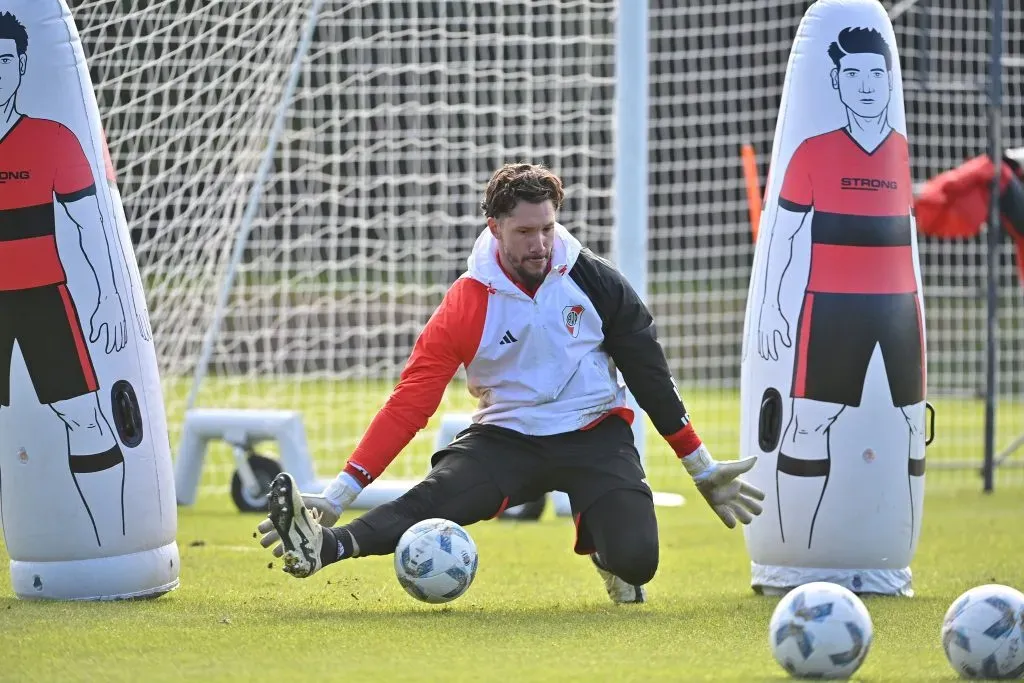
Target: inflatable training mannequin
[(86, 487), (833, 360)]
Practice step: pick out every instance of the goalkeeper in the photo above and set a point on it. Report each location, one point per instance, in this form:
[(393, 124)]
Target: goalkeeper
[(540, 324)]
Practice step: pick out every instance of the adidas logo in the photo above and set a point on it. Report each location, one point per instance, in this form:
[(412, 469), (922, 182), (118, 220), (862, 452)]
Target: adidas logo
[(508, 338)]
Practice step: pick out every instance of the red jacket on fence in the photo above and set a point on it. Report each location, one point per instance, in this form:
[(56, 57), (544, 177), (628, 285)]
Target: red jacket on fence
[(955, 204)]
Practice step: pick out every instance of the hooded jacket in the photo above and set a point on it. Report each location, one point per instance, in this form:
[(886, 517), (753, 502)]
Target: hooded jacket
[(539, 367), (540, 363)]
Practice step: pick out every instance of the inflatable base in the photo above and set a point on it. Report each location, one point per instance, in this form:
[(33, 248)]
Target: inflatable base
[(147, 574), (776, 580)]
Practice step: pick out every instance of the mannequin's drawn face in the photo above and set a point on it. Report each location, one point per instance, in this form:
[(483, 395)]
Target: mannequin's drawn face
[(12, 68), (864, 83)]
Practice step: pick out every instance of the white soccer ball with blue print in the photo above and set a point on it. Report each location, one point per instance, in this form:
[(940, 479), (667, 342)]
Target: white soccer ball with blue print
[(983, 633), (435, 560), (820, 630)]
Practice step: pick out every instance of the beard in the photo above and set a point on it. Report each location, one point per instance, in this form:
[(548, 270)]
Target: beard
[(531, 279)]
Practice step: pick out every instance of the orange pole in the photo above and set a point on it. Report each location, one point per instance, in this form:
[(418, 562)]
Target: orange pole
[(753, 187)]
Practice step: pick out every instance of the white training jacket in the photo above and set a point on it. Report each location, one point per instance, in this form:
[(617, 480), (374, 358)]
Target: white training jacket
[(539, 363)]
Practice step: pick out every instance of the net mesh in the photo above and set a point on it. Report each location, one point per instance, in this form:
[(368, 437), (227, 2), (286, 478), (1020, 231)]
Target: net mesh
[(403, 110)]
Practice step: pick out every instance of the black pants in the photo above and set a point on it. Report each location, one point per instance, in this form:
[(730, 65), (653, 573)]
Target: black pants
[(487, 469)]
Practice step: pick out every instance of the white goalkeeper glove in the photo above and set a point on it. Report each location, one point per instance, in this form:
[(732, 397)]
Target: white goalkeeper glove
[(338, 495), (729, 496)]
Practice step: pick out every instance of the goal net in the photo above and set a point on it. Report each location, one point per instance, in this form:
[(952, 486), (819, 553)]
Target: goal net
[(402, 112), (717, 75), (403, 109), (946, 46)]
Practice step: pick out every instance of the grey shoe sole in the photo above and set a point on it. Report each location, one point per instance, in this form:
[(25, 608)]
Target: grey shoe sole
[(284, 502)]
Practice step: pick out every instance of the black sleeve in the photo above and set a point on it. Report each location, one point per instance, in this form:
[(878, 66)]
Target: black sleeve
[(631, 340)]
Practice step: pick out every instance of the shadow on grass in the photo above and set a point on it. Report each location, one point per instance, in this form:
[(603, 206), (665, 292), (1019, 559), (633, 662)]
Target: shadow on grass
[(556, 615)]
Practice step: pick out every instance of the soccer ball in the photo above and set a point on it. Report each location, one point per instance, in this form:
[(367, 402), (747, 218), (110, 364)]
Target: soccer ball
[(820, 630), (982, 633), (435, 560)]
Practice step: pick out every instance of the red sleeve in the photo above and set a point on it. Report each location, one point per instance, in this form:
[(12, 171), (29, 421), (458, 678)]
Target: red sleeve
[(72, 177), (450, 339), (797, 193)]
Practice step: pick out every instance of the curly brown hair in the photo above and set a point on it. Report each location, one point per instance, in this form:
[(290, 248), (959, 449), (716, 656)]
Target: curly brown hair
[(513, 183)]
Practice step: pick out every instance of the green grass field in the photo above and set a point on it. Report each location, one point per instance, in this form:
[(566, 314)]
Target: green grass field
[(536, 612), (336, 413)]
